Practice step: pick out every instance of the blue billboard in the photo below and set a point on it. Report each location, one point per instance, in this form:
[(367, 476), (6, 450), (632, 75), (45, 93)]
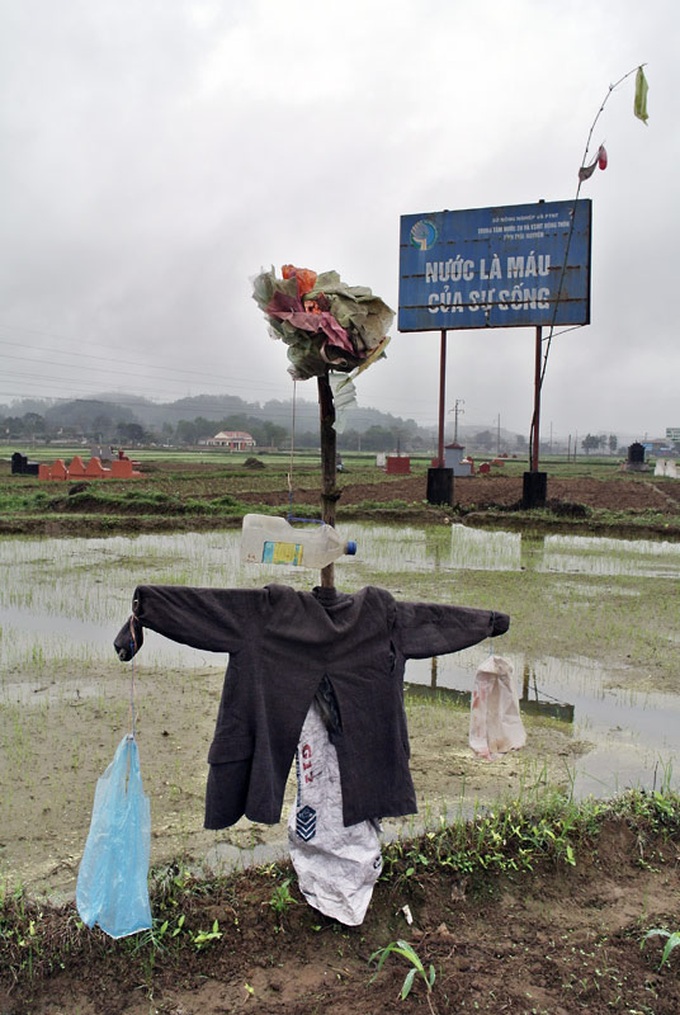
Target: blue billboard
[(506, 267)]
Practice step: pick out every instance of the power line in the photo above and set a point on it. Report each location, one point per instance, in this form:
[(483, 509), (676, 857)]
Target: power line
[(139, 379), (121, 358)]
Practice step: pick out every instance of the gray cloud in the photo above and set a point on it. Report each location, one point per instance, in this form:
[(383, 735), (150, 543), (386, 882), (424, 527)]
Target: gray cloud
[(157, 155)]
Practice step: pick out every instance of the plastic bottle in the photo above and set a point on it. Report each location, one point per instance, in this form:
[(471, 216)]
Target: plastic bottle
[(266, 539)]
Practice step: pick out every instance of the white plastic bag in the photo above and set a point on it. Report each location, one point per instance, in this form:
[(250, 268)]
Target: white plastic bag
[(495, 723), (337, 865)]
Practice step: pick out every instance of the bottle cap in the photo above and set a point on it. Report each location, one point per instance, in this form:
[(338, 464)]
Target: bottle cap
[(350, 548)]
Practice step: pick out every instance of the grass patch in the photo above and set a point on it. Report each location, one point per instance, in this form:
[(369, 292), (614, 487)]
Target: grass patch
[(219, 486)]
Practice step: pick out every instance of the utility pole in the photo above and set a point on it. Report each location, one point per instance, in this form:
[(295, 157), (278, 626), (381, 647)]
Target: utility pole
[(457, 411)]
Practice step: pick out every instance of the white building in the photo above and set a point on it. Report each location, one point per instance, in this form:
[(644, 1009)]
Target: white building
[(233, 440)]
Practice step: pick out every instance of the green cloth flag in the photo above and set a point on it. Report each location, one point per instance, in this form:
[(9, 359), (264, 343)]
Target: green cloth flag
[(641, 88)]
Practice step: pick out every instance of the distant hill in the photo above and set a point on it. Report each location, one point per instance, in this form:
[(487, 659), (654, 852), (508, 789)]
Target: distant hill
[(152, 415), (104, 411), (89, 414)]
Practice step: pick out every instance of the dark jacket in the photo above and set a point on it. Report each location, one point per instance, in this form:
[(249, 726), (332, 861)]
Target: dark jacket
[(282, 643)]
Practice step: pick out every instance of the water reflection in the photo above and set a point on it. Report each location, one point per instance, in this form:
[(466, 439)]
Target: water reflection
[(413, 549), (532, 552), (604, 556), (486, 551), (532, 699)]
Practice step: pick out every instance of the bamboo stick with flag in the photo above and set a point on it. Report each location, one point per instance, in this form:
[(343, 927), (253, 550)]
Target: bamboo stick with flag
[(640, 110)]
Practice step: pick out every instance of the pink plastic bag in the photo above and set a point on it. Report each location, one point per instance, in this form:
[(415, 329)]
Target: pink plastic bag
[(495, 723)]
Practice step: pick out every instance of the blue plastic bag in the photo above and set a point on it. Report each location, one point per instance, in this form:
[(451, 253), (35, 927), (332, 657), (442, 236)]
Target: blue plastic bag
[(112, 888)]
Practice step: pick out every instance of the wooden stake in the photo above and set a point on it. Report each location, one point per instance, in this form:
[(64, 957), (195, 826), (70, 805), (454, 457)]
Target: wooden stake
[(329, 490)]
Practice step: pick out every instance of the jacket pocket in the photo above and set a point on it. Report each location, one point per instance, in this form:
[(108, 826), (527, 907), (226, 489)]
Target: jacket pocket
[(224, 750)]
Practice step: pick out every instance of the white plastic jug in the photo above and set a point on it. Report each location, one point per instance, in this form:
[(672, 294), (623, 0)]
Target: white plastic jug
[(268, 539)]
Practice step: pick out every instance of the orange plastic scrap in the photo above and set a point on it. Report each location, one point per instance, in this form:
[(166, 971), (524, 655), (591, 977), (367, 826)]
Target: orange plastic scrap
[(306, 278), (316, 305)]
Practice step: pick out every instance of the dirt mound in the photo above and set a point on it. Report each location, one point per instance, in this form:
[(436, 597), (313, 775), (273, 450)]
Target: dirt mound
[(558, 940), (623, 492)]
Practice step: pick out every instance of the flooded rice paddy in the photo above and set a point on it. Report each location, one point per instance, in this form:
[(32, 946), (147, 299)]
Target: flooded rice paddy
[(592, 641)]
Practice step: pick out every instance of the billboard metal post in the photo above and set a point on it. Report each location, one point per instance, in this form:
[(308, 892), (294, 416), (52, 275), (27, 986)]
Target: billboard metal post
[(442, 398), (439, 478), (533, 465)]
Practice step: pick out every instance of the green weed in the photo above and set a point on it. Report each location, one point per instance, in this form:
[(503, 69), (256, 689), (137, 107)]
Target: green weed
[(406, 951), (512, 838), (672, 941), (202, 938), (281, 900)]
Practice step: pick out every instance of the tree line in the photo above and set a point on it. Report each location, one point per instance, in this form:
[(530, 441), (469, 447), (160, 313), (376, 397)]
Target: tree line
[(106, 428), (600, 442), (178, 424)]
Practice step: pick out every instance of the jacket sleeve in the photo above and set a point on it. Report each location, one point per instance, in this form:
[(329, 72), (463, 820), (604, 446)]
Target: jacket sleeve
[(424, 630), (216, 620)]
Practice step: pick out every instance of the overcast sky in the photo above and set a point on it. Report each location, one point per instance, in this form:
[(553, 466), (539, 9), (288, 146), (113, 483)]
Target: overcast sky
[(156, 155)]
